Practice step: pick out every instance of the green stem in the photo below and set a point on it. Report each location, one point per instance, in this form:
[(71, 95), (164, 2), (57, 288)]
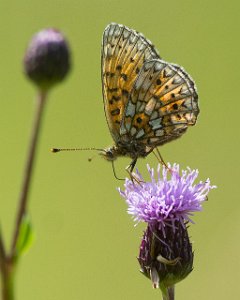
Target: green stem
[(41, 100), (8, 261), (3, 267), (6, 273), (8, 284), (169, 293), (2, 254)]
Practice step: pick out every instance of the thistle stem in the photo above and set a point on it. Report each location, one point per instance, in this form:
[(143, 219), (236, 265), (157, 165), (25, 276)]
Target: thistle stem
[(41, 100), (8, 283), (169, 293), (2, 255), (7, 261), (6, 273), (3, 266)]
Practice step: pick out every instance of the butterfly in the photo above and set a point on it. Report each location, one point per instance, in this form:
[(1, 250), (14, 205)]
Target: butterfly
[(147, 101)]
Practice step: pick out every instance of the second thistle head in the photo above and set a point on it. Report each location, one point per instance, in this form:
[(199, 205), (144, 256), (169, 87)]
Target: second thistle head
[(47, 58)]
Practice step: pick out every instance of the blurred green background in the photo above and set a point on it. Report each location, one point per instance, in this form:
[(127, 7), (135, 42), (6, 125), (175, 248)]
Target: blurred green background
[(86, 244)]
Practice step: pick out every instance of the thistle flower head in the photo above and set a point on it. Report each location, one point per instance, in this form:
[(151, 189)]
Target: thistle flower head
[(166, 203), (166, 198), (47, 58)]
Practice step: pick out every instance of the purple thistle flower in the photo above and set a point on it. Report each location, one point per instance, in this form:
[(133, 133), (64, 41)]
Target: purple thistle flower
[(163, 201), (166, 203)]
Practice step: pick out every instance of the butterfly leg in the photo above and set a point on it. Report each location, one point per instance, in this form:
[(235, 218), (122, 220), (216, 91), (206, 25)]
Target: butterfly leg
[(132, 165), (130, 168), (160, 159)]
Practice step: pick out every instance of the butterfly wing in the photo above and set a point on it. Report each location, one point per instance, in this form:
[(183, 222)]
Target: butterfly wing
[(162, 104), (124, 52)]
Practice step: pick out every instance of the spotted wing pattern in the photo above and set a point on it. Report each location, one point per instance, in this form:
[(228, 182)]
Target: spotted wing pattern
[(161, 106), (124, 51)]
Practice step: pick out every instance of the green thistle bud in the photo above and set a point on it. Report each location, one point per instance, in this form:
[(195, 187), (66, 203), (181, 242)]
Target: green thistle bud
[(47, 59)]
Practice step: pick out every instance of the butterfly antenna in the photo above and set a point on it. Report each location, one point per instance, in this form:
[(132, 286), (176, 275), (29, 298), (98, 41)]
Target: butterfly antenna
[(91, 158), (55, 150)]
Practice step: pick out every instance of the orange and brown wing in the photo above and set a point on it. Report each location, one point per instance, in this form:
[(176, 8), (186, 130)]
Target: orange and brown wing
[(161, 106), (124, 51)]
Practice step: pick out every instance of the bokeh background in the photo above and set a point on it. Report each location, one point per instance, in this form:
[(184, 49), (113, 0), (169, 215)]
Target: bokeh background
[(85, 243)]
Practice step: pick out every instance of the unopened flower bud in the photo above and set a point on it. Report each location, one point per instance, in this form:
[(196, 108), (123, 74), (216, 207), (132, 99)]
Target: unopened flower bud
[(47, 59)]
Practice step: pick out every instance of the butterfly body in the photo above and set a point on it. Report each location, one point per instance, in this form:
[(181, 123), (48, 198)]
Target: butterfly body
[(131, 149), (148, 101)]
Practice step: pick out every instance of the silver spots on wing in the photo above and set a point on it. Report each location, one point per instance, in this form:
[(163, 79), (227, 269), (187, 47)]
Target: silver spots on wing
[(156, 123), (148, 101), (133, 131), (154, 115), (130, 109), (150, 106), (140, 133)]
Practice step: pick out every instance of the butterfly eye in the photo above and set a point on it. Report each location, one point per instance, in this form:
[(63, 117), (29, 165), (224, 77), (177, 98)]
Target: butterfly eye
[(108, 154)]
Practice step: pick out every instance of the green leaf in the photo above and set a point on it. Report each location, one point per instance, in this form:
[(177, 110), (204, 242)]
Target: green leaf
[(25, 237)]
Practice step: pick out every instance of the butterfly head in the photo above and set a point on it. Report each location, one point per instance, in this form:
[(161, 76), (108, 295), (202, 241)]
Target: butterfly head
[(110, 154)]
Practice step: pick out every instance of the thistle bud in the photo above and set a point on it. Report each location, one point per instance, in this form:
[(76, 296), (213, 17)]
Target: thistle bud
[(47, 59)]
